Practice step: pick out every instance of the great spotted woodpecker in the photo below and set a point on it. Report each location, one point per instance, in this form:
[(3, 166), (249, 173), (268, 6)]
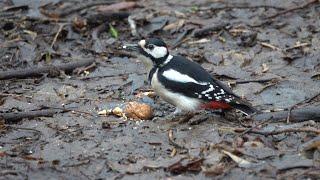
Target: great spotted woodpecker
[(184, 83)]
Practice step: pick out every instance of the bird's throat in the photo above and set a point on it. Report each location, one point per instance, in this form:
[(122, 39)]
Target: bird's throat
[(147, 62)]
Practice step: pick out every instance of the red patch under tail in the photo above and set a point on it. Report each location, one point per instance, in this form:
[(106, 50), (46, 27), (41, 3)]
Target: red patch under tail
[(216, 105)]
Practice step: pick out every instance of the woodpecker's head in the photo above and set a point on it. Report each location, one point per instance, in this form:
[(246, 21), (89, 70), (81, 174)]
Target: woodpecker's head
[(154, 49)]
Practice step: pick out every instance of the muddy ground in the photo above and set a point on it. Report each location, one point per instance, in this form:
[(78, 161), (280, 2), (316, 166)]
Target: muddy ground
[(267, 51)]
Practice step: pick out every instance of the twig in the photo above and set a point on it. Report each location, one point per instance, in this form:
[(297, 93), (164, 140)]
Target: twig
[(38, 71), (98, 30), (57, 34), (253, 80), (76, 111), (293, 9), (198, 121), (15, 8), (239, 6), (208, 29), (255, 126), (69, 10), (297, 115), (14, 95), (276, 132), (133, 27), (86, 68), (297, 46), (266, 87), (182, 38), (299, 103), (172, 142), (45, 19), (270, 46), (104, 18), (81, 163), (289, 113), (15, 117), (37, 133)]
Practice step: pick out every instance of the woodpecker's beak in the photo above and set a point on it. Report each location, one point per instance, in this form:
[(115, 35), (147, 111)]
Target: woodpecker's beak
[(132, 47)]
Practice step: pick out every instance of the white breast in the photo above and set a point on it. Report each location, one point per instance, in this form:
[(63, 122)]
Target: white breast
[(176, 99)]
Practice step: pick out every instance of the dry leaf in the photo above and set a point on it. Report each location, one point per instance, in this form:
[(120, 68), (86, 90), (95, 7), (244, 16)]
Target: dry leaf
[(118, 112), (176, 25), (241, 162), (265, 68)]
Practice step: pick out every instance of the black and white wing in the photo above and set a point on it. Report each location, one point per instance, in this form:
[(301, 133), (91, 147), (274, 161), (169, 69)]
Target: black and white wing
[(190, 79)]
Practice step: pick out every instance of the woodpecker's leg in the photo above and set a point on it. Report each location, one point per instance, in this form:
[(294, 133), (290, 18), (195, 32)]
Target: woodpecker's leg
[(218, 112), (174, 115), (177, 111), (186, 117)]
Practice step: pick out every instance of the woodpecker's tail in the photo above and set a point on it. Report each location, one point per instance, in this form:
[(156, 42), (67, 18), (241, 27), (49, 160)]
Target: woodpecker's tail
[(244, 106)]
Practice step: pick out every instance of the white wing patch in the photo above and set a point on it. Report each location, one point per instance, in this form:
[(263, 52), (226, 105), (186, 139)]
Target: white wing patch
[(213, 92), (211, 88), (174, 75), (221, 95), (181, 101)]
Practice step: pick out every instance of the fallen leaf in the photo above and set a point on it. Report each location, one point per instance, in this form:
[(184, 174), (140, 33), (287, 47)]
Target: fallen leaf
[(104, 112), (48, 57), (199, 41), (150, 94), (175, 25), (292, 161), (31, 33), (257, 150), (118, 112), (312, 144), (214, 170), (240, 161), (155, 24), (179, 14), (2, 154), (31, 158), (265, 68), (113, 31), (186, 165), (79, 23), (308, 148), (173, 152), (316, 76), (143, 164)]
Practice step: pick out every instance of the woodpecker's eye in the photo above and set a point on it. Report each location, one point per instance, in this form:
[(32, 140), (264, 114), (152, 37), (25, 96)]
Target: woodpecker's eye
[(150, 46)]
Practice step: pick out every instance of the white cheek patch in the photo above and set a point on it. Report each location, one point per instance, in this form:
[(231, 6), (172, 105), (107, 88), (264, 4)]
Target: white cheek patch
[(157, 51)]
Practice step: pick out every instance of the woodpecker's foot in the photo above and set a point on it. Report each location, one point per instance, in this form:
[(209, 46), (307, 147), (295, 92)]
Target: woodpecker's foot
[(185, 118), (176, 115), (197, 119), (180, 116), (177, 112), (218, 112)]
